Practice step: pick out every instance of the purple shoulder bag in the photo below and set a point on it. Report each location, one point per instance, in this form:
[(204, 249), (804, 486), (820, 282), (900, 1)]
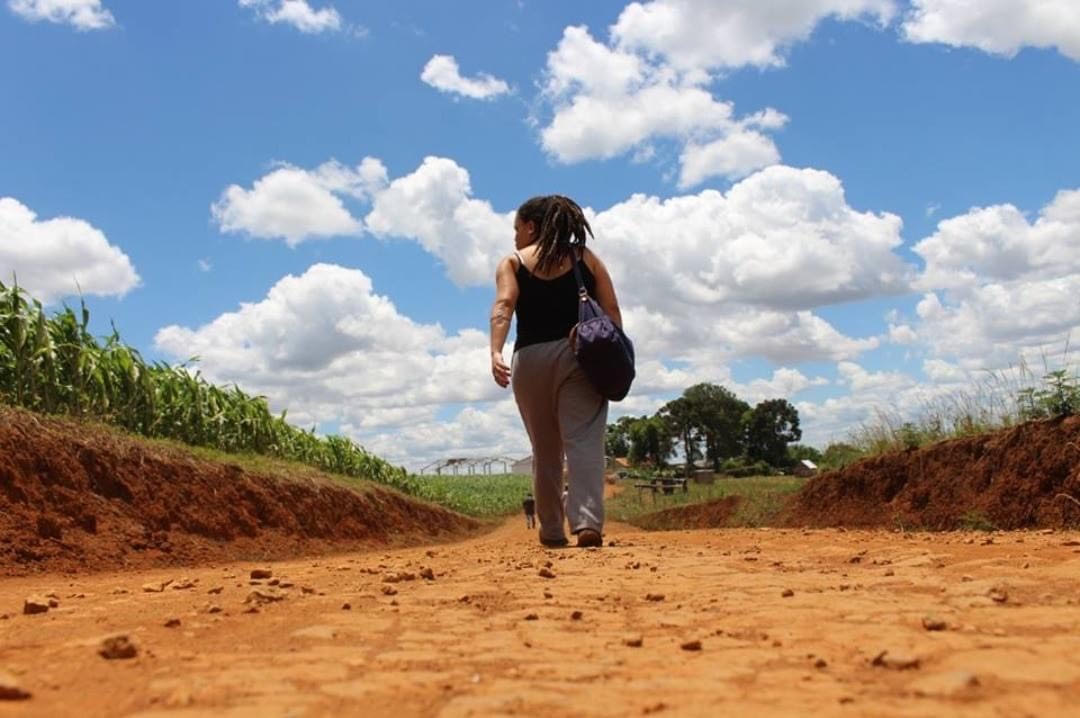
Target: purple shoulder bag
[(603, 350)]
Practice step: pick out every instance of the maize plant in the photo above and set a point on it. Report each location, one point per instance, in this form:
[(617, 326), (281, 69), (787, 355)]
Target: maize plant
[(55, 365)]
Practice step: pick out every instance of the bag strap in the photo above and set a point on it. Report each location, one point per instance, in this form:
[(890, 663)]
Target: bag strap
[(583, 293)]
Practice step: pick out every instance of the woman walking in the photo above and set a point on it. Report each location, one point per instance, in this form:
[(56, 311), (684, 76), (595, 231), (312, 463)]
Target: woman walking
[(562, 412)]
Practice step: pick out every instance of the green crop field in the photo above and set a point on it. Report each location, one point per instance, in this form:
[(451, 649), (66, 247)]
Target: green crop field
[(52, 364), (483, 496)]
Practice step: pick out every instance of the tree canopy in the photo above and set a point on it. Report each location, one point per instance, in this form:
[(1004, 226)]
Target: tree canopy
[(770, 427), (710, 422)]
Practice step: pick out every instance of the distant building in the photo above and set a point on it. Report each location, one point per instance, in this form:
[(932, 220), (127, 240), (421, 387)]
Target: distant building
[(525, 466), (805, 467)]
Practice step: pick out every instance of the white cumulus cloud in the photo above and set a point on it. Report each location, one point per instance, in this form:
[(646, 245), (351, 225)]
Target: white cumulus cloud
[(81, 14), (297, 13), (729, 156), (434, 206), (606, 102), (442, 73), (1001, 27), (996, 283), (649, 81), (692, 35), (783, 238), (297, 204), (59, 257), (1000, 243)]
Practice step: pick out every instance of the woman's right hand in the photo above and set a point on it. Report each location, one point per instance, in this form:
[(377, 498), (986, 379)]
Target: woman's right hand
[(499, 369)]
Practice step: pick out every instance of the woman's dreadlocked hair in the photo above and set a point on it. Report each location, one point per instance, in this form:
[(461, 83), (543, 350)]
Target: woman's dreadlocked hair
[(561, 225)]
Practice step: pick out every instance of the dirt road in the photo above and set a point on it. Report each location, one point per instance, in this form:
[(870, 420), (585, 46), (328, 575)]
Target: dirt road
[(764, 622)]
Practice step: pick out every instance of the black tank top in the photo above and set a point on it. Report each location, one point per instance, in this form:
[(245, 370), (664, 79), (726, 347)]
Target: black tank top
[(547, 309)]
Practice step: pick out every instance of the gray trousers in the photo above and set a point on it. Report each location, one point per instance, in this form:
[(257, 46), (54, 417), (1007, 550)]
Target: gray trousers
[(563, 414)]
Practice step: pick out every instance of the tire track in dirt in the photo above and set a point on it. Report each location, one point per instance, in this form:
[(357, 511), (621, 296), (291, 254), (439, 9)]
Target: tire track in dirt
[(789, 622)]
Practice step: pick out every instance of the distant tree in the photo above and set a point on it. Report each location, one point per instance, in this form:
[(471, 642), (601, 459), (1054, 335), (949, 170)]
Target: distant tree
[(617, 440), (650, 440), (718, 414), (838, 455), (770, 427), (681, 417)]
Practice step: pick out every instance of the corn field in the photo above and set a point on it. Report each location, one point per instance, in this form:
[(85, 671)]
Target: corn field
[(54, 365)]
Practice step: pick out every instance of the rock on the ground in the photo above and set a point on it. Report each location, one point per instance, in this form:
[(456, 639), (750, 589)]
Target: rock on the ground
[(10, 690), (118, 647), (35, 604), (546, 573), (895, 660), (399, 576), (933, 623), (259, 573), (265, 595)]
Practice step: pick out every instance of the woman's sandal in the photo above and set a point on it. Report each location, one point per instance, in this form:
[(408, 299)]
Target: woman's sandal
[(589, 538)]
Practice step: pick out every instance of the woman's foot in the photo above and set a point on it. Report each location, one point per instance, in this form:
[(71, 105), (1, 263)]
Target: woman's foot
[(554, 543), (589, 538)]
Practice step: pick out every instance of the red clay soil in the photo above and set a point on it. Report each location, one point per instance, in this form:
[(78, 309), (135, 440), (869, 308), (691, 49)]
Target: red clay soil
[(1024, 477), (78, 498), (706, 515)]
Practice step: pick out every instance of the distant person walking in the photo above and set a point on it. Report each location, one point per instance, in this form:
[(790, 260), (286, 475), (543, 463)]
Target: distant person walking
[(529, 504), (561, 410)]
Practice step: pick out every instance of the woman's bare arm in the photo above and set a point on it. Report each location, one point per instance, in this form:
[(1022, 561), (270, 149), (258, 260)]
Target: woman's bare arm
[(605, 289), (506, 296)]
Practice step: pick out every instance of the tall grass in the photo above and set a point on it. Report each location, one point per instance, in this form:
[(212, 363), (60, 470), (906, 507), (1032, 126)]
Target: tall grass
[(54, 365), (999, 400)]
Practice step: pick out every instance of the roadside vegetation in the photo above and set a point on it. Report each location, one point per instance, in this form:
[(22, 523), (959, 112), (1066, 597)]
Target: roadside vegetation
[(752, 451), (53, 365), (478, 495), (760, 500), (1001, 400)]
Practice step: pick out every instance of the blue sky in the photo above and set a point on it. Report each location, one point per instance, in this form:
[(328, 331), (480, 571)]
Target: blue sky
[(858, 205)]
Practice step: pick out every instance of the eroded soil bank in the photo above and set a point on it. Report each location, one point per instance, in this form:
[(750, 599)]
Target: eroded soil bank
[(1024, 477), (80, 498)]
